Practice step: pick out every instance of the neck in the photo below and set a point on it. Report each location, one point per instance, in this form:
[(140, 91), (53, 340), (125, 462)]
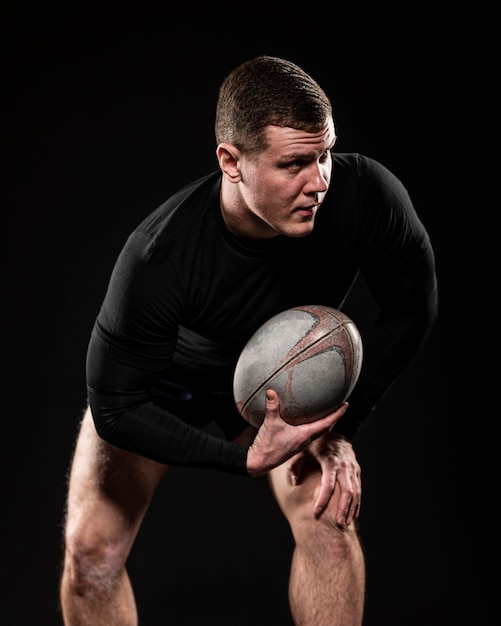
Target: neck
[(239, 219)]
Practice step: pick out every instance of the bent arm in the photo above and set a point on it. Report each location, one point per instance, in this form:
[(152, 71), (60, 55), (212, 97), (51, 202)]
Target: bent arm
[(398, 265), (131, 347), (126, 417)]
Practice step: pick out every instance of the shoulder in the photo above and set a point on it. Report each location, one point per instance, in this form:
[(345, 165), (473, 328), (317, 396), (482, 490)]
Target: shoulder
[(365, 169), (177, 224), (182, 207), (384, 208), (375, 186)]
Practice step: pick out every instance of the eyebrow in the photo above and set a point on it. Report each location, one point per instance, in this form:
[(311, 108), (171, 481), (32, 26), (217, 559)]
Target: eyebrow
[(291, 156)]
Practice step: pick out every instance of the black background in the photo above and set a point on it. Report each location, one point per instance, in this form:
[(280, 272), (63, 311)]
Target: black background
[(107, 113)]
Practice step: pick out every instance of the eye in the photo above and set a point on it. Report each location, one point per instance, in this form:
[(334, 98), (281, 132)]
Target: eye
[(295, 164)]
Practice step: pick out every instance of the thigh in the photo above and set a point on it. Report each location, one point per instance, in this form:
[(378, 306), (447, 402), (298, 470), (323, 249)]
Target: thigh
[(109, 490), (297, 501)]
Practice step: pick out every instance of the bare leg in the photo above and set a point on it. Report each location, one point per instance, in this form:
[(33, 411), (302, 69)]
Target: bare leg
[(108, 495), (327, 580)]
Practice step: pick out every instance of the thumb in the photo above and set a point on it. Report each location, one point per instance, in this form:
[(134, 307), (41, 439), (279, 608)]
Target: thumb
[(272, 400)]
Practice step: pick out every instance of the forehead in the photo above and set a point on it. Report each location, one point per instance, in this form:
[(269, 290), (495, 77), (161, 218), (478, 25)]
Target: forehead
[(286, 138)]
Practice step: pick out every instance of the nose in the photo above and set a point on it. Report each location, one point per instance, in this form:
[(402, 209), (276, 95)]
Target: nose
[(318, 180)]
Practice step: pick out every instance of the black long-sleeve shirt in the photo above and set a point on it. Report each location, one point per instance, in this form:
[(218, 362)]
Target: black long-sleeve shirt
[(187, 293)]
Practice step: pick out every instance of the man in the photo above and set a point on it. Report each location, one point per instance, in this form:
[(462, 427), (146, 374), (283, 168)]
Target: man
[(283, 222)]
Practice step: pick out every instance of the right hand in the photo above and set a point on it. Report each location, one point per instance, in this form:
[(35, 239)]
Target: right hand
[(276, 440)]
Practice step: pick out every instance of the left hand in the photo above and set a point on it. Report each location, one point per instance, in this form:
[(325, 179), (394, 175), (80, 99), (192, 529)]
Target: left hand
[(340, 470)]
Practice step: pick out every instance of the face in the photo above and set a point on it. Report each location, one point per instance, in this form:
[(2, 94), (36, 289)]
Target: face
[(281, 190)]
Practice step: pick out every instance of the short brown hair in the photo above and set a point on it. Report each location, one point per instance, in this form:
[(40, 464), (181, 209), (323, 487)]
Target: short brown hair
[(268, 90)]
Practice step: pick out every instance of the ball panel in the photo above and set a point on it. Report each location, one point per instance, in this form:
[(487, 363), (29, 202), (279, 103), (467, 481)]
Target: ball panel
[(355, 352), (311, 355), (276, 342), (301, 398)]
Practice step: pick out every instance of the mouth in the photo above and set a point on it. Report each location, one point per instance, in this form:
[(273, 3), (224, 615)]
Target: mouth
[(307, 211)]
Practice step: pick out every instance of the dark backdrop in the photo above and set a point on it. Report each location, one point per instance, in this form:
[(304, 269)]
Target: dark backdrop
[(106, 115)]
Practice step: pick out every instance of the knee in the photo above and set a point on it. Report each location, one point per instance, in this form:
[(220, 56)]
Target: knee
[(297, 502), (321, 538), (93, 561), (324, 533)]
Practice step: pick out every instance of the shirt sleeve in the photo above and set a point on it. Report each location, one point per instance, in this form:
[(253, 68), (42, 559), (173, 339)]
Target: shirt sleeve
[(132, 343), (398, 265)]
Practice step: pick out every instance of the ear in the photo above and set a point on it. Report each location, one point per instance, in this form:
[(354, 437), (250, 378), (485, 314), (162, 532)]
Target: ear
[(229, 156)]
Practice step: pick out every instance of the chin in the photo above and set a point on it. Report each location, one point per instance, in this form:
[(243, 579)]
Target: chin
[(300, 230)]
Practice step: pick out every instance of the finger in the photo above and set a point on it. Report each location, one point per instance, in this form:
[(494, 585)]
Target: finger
[(355, 507), (326, 423), (343, 512), (349, 502), (325, 494), (296, 470), (356, 494), (339, 412)]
